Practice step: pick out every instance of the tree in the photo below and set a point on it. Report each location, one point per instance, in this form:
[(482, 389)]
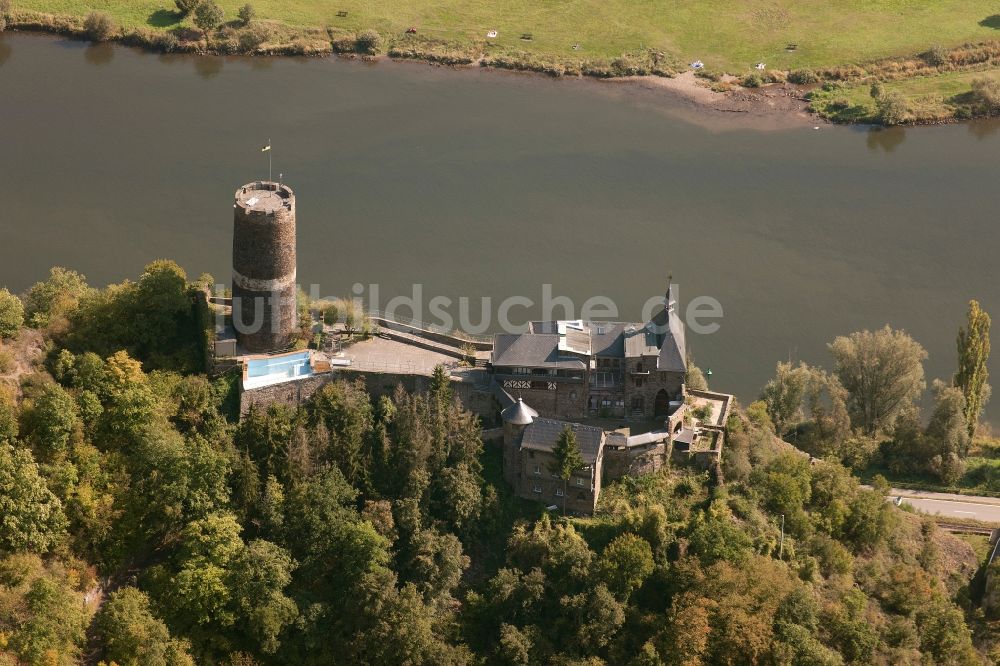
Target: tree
[(973, 354), (567, 458), (784, 394), (133, 636), (947, 434), (186, 6), (625, 564), (208, 16), (11, 314), (829, 423), (9, 413), (31, 517), (891, 108), (247, 14), (55, 297), (883, 373), (99, 26), (51, 419)]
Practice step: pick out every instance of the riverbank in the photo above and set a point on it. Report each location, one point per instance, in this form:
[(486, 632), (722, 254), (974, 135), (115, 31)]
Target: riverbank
[(938, 85)]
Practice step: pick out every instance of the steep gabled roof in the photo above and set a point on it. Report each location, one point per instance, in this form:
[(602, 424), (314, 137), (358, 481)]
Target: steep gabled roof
[(538, 350), (543, 434)]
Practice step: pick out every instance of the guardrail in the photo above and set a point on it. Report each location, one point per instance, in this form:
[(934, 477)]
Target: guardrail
[(458, 335)]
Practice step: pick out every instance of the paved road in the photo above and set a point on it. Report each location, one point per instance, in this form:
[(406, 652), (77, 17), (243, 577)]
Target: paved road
[(952, 506)]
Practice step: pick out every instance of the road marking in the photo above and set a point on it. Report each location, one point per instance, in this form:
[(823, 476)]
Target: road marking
[(972, 512)]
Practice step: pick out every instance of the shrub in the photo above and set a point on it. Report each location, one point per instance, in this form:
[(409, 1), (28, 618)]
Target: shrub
[(891, 108), (752, 80), (11, 314), (802, 76), (4, 12), (208, 16), (251, 37), (99, 26), (247, 14), (935, 57), (986, 92), (7, 361), (186, 6), (369, 41)]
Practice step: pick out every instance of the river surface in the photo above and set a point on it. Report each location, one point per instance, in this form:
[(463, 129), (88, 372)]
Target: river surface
[(484, 184)]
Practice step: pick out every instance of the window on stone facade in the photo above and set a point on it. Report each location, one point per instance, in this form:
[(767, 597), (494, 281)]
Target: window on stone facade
[(522, 371), (559, 492), (536, 489), (606, 402), (620, 403), (579, 481), (600, 330), (538, 469)]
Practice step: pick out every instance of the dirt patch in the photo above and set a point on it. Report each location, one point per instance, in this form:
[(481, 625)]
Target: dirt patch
[(25, 352), (776, 106)]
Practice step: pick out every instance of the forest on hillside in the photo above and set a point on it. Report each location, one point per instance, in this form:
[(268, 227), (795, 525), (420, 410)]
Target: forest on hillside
[(143, 523)]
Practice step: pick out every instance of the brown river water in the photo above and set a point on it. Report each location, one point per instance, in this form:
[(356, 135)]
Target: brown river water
[(484, 184)]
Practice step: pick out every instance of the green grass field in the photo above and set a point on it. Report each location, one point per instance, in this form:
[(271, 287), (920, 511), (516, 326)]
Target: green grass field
[(730, 35), (928, 97)]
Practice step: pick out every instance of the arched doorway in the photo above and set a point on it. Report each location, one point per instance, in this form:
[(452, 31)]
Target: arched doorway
[(661, 407)]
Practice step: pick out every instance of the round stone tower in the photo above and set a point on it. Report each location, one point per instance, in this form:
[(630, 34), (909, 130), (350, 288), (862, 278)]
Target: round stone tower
[(264, 308)]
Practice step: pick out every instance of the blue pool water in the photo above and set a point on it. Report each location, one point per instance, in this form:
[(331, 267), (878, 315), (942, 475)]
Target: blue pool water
[(275, 369)]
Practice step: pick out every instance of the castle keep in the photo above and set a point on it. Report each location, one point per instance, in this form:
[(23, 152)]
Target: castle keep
[(264, 287)]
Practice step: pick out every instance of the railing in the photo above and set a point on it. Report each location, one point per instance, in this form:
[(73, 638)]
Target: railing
[(433, 328)]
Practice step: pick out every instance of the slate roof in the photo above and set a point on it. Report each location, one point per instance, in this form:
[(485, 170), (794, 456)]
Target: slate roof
[(662, 337), (543, 434), (670, 337), (532, 351), (519, 413)]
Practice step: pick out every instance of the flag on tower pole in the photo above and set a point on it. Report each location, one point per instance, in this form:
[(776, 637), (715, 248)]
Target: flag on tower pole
[(267, 149)]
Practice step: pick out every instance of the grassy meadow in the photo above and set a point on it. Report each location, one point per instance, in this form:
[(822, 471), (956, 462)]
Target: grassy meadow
[(928, 97), (729, 35)]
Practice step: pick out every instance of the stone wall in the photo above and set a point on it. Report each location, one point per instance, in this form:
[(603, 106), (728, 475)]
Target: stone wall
[(264, 278), (297, 392)]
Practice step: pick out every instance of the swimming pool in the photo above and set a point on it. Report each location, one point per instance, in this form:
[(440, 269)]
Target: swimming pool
[(276, 369)]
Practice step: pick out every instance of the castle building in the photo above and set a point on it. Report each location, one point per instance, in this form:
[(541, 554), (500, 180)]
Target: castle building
[(528, 459), (264, 287), (580, 369)]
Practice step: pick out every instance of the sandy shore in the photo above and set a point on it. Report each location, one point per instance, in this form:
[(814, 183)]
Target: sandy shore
[(770, 107)]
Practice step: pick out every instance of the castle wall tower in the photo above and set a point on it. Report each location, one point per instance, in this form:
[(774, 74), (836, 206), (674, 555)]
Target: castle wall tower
[(264, 287)]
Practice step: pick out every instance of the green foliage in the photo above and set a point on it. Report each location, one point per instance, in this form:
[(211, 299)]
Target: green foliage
[(784, 395), (802, 76), (369, 41), (42, 614), (31, 517), (50, 420), (625, 564), (11, 314), (247, 14), (56, 297), (694, 378), (882, 372), (9, 413), (133, 636), (973, 354), (186, 6), (208, 15)]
